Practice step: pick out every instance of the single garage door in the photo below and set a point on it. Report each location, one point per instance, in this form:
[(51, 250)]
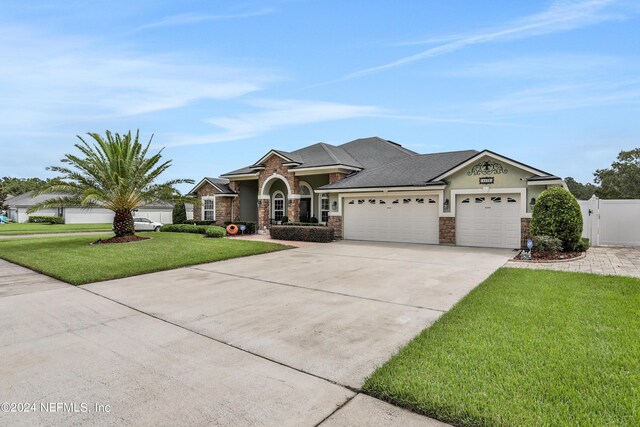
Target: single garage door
[(488, 220), (408, 219)]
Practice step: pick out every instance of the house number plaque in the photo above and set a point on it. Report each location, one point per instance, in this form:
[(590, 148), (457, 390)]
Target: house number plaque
[(486, 180)]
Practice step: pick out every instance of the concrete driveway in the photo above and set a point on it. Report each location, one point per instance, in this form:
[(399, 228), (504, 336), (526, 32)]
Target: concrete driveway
[(278, 339)]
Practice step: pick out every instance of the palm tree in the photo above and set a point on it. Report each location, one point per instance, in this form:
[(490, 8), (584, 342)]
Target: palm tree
[(114, 174)]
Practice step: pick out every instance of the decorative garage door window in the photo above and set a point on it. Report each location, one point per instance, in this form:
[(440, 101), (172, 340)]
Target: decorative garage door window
[(487, 168), (209, 209), (496, 199), (278, 206), (479, 199), (324, 207)]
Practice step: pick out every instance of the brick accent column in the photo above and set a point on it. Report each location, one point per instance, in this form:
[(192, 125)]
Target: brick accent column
[(293, 211), (263, 214), (447, 230), (235, 203), (525, 231), (336, 223)]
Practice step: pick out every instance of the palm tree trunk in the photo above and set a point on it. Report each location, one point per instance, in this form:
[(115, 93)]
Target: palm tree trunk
[(123, 223)]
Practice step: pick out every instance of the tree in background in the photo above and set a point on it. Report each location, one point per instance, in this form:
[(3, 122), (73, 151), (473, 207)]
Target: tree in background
[(179, 213), (579, 190), (116, 173), (622, 179)]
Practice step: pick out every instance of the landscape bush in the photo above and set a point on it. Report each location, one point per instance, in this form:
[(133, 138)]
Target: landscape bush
[(302, 233), (179, 213), (313, 220), (557, 214), (194, 222), (195, 229), (46, 219), (302, 224), (213, 231), (251, 226), (582, 245), (547, 244)]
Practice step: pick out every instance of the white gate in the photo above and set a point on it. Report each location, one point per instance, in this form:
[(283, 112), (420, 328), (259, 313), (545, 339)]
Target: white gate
[(611, 222)]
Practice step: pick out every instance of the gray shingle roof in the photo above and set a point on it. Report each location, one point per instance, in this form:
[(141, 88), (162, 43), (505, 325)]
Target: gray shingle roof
[(322, 154), (409, 171), (222, 184), (373, 152)]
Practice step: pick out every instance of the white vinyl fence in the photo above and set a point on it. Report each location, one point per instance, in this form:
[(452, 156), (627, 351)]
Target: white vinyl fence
[(611, 222)]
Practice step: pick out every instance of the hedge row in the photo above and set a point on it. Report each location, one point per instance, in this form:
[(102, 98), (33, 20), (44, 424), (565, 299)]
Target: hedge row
[(194, 222), (303, 224), (46, 219), (302, 233), (207, 230)]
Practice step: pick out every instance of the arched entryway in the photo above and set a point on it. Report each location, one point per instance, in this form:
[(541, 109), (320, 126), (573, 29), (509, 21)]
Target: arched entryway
[(274, 200)]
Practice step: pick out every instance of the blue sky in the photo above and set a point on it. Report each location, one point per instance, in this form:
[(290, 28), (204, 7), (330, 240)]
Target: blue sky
[(555, 84)]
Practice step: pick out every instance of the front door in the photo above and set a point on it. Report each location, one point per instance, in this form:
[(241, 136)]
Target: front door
[(305, 210)]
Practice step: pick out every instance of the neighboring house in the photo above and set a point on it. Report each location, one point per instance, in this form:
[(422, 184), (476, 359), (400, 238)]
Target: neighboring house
[(374, 189), (18, 206)]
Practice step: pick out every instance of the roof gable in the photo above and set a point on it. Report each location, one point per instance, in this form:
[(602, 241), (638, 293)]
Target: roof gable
[(496, 156)]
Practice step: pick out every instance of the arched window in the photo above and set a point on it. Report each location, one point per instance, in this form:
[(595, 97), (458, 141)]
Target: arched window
[(324, 207), (278, 205)]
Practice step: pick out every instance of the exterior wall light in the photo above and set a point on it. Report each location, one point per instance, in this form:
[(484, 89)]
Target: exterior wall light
[(334, 205), (446, 204), (533, 201)]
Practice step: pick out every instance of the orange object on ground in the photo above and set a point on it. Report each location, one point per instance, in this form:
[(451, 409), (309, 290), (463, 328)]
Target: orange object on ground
[(232, 229)]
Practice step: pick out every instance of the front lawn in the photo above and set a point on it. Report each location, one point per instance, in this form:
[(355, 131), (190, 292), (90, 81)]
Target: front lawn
[(73, 260), (31, 228), (526, 348)]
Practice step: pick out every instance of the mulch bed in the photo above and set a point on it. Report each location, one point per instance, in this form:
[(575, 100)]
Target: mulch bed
[(560, 256), (121, 239)]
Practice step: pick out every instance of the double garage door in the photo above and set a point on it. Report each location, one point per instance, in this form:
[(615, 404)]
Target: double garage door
[(410, 219), (485, 220)]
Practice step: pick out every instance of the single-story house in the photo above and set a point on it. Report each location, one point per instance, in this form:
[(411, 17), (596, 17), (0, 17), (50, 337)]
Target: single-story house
[(18, 206), (375, 189)]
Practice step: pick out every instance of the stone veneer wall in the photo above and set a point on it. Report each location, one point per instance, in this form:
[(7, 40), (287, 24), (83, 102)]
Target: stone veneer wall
[(205, 190), (223, 209), (336, 223), (235, 201), (525, 231), (274, 165), (447, 230)]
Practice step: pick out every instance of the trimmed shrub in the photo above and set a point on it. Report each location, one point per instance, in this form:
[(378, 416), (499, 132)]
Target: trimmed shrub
[(557, 214), (216, 232), (284, 219), (304, 234), (547, 244), (303, 224), (46, 219), (179, 213), (190, 228), (194, 222), (582, 245), (313, 220), (251, 226)]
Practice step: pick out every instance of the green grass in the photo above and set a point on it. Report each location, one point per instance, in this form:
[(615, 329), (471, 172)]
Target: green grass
[(73, 260), (526, 348), (28, 228)]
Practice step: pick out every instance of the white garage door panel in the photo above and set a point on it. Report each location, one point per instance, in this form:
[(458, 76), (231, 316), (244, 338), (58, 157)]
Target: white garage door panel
[(488, 220), (87, 216), (157, 215), (410, 219)]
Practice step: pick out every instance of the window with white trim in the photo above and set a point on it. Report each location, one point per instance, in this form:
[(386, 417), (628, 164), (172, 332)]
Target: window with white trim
[(278, 205), (209, 208), (324, 207)]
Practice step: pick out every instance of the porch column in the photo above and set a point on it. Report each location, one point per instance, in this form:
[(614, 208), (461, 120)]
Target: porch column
[(263, 213), (294, 210), (235, 203)]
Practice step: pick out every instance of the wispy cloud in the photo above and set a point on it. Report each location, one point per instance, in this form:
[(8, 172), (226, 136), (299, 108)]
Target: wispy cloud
[(56, 79), (273, 115), (196, 18), (560, 16), (567, 96)]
